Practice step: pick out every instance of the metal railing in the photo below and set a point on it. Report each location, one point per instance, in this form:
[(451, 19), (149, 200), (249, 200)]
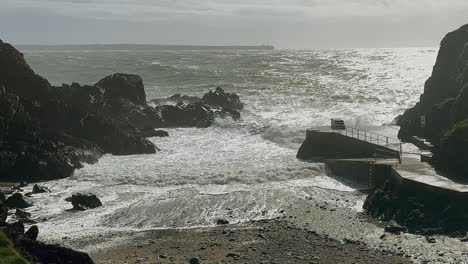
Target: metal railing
[(371, 137)]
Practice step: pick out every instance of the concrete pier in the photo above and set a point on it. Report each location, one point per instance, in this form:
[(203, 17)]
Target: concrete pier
[(371, 155)]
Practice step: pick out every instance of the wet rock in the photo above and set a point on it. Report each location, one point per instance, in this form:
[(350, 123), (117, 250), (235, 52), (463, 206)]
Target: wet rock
[(120, 85), (3, 213), (32, 232), (17, 200), (431, 240), (220, 99), (186, 115), (84, 201), (222, 222), (40, 189), (161, 133), (395, 229), (195, 261), (150, 132), (176, 99), (2, 197), (20, 213), (43, 253)]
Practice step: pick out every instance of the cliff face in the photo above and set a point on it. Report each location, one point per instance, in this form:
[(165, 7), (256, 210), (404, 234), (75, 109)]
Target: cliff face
[(445, 105), (439, 91), (42, 135)]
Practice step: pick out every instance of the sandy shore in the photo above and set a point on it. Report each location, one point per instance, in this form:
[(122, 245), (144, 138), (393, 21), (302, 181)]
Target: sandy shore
[(267, 241)]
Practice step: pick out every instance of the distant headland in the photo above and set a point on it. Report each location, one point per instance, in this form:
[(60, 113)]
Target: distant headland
[(139, 47)]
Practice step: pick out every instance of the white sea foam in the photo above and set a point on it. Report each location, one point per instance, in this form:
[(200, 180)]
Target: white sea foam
[(248, 166)]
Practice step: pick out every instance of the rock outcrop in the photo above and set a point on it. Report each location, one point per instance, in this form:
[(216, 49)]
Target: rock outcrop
[(84, 201), (445, 107), (47, 132), (440, 90), (420, 212)]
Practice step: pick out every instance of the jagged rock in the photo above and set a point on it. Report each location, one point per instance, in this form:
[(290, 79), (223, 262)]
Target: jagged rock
[(17, 200), (176, 99), (186, 115), (120, 85), (221, 99), (32, 232), (395, 229), (3, 213), (40, 189), (452, 152), (84, 201), (150, 132), (22, 213), (43, 253), (47, 132), (445, 83)]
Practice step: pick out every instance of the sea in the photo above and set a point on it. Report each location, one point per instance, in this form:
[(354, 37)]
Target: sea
[(236, 170)]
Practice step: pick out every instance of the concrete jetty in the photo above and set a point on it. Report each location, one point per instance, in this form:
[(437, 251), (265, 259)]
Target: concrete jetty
[(371, 155)]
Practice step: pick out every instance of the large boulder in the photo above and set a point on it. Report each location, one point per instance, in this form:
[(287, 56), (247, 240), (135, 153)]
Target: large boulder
[(120, 85), (43, 253), (84, 201), (17, 200)]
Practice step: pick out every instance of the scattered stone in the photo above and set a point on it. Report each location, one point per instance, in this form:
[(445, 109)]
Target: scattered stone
[(17, 200), (222, 222), (195, 261), (22, 213), (40, 189), (233, 255), (85, 201), (32, 232), (431, 240)]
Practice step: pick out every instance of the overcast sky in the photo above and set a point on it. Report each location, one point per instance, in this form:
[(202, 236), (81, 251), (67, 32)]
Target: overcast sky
[(284, 23)]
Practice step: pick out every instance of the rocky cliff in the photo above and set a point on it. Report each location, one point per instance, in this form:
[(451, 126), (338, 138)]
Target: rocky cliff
[(444, 103), (46, 132)]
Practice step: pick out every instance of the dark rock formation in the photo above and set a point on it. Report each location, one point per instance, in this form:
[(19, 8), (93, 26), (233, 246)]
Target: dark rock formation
[(198, 112), (176, 99), (17, 200), (3, 213), (40, 189), (451, 155), (20, 213), (47, 132), (32, 232), (84, 201), (420, 212), (38, 252), (445, 105), (447, 80), (221, 99), (126, 86), (150, 132), (186, 115)]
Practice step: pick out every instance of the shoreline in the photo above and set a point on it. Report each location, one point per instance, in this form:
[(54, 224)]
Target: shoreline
[(266, 241), (338, 220)]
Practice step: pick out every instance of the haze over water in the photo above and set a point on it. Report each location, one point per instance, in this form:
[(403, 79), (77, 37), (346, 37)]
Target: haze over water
[(247, 166)]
